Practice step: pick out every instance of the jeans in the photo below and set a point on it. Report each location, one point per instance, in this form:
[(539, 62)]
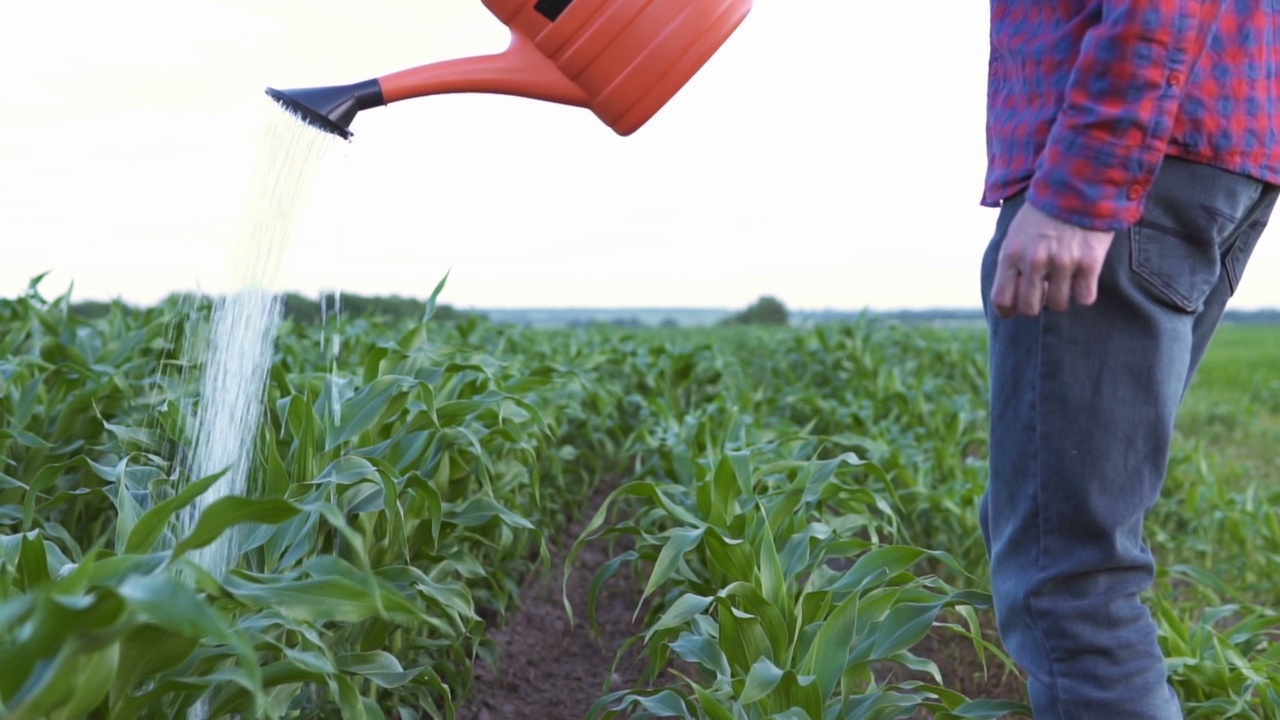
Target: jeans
[(1083, 404)]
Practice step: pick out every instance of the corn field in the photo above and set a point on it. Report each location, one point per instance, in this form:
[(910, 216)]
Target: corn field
[(798, 505)]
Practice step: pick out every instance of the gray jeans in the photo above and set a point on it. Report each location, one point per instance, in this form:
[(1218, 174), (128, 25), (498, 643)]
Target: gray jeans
[(1083, 404)]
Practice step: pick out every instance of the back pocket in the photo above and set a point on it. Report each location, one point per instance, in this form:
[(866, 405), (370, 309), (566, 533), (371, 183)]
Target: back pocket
[(1179, 270)]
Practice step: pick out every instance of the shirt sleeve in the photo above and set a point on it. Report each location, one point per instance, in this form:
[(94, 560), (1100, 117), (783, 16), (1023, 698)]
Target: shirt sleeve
[(1118, 110)]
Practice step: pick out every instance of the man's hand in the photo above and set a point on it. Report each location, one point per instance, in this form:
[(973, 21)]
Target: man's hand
[(1046, 262)]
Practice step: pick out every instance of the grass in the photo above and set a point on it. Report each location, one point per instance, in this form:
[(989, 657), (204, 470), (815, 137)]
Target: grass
[(1232, 409)]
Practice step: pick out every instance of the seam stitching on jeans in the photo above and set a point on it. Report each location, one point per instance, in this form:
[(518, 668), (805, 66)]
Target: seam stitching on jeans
[(1039, 486)]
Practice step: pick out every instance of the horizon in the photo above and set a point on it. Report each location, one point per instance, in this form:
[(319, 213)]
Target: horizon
[(613, 309)]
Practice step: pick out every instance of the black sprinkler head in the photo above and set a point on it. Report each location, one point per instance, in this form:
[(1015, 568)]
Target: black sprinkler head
[(331, 108)]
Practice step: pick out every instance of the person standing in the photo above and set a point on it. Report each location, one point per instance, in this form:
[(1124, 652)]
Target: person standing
[(1134, 156)]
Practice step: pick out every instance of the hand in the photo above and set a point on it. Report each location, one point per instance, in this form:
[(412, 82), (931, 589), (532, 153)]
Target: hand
[(1047, 262)]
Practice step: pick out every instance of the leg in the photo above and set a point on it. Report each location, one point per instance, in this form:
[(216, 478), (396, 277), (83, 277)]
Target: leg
[(1082, 410)]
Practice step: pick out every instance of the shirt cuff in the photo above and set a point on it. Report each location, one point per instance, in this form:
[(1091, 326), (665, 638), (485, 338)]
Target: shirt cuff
[(1090, 184)]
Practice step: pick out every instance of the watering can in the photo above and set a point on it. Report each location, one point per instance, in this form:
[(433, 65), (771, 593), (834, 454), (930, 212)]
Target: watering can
[(622, 59)]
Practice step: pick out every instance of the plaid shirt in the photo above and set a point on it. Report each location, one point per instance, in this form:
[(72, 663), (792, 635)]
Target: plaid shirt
[(1086, 97)]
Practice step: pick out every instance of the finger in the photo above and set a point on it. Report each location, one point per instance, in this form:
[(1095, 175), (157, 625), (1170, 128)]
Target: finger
[(1084, 289), (1004, 291), (1030, 295), (1089, 271), (1031, 287), (1058, 288), (1084, 285)]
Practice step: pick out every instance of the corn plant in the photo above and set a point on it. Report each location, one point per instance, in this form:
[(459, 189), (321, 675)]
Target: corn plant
[(773, 570), (798, 506), (380, 523)]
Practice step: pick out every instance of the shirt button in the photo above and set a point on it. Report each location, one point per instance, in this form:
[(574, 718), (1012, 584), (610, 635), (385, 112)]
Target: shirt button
[(1135, 192), (1175, 79)]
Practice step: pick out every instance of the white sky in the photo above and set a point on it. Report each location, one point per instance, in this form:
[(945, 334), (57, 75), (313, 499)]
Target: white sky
[(831, 155)]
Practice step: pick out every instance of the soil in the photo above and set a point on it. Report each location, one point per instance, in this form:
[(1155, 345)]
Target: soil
[(548, 668), (962, 670), (552, 670)]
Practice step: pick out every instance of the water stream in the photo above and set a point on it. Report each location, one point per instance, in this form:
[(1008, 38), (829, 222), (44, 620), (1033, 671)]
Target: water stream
[(242, 327)]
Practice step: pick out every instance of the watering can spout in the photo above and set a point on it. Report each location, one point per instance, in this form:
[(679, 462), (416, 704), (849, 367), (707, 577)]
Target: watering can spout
[(622, 59), (331, 108), (522, 70)]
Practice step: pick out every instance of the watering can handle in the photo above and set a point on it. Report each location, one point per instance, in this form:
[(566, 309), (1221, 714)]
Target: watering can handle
[(521, 70)]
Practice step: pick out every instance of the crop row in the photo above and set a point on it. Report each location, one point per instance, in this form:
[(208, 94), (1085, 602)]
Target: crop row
[(799, 506)]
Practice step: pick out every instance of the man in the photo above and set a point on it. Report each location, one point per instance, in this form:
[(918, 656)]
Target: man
[(1134, 155)]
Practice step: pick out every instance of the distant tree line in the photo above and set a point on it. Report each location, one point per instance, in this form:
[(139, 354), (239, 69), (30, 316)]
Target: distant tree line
[(306, 310), (767, 310)]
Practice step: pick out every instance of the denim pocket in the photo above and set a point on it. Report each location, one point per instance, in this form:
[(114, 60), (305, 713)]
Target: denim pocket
[(1180, 270)]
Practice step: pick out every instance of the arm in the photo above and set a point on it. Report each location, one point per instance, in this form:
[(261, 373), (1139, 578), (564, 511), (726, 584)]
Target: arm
[(1119, 107), (1103, 151)]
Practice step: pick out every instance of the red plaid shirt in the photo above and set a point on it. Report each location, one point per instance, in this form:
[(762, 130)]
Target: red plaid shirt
[(1086, 98)]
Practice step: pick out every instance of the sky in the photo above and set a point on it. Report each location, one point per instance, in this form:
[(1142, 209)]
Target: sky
[(831, 154)]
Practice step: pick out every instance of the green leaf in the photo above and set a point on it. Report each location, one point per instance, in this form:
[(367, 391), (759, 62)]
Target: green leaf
[(33, 563), (380, 667), (362, 411), (773, 585), (880, 563), (731, 556), (348, 698), (317, 600), (714, 709), (480, 510), (454, 412), (45, 479), (127, 514), (829, 653), (703, 650), (431, 301), (991, 710), (761, 681), (173, 605), (793, 713), (725, 491), (141, 438), (742, 638), (90, 682), (678, 544), (903, 627), (800, 695), (142, 538), (46, 676), (663, 704), (231, 511), (347, 470), (149, 650), (27, 403), (606, 571), (25, 439), (680, 612)]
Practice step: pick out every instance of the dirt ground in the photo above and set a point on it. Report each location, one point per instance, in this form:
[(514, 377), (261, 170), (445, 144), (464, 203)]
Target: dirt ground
[(548, 669), (551, 671)]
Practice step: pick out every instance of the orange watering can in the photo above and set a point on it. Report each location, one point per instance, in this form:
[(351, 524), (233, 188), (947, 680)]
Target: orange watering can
[(622, 59)]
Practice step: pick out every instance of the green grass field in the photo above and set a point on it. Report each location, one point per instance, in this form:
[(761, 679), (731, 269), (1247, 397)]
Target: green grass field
[(1233, 405)]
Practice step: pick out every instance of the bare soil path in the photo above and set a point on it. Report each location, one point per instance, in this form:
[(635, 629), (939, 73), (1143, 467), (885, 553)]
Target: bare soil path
[(550, 670)]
